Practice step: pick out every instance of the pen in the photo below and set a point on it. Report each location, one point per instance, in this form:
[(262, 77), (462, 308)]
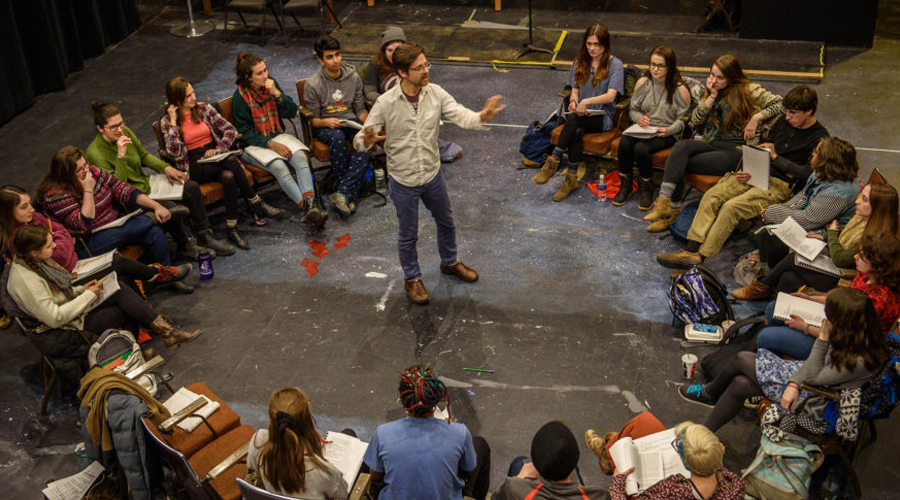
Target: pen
[(480, 370), (101, 281)]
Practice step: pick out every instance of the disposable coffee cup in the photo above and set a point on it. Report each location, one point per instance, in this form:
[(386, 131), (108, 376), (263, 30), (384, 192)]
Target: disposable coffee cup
[(689, 365)]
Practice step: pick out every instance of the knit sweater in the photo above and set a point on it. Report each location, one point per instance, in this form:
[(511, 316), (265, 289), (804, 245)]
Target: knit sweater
[(64, 253), (762, 101), (65, 207), (51, 307), (651, 99), (129, 169), (224, 134), (677, 487)]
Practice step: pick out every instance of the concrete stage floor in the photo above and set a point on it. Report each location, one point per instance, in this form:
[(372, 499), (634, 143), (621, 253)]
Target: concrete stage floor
[(570, 311)]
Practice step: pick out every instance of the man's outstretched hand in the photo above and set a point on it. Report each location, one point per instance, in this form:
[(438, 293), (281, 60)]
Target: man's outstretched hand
[(491, 107)]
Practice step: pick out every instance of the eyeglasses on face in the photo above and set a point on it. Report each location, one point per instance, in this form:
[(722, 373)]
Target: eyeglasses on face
[(117, 126), (657, 66), (422, 68)]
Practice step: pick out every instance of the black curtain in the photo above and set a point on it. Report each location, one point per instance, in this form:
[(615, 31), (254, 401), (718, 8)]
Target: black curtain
[(42, 41)]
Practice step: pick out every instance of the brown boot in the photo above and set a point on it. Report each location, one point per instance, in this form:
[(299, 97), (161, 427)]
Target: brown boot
[(664, 221), (547, 170), (172, 334), (660, 207), (570, 184), (597, 445), (756, 290)]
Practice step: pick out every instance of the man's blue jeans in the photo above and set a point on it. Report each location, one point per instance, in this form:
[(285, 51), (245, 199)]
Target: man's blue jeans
[(406, 201)]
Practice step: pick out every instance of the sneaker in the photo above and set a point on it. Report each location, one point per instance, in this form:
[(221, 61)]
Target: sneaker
[(340, 203), (693, 393)]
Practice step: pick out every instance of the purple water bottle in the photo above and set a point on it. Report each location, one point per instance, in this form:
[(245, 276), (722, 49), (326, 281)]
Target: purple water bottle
[(204, 260)]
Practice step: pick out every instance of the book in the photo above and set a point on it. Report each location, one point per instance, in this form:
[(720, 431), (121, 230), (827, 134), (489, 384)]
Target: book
[(811, 311), (93, 265), (640, 132), (220, 156), (653, 458), (756, 163), (118, 222), (184, 397), (76, 486), (346, 453), (352, 124), (162, 189), (265, 155), (109, 287), (793, 235), (822, 263), (590, 112)]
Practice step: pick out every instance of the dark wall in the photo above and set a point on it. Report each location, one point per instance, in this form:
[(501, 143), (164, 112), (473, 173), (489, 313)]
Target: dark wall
[(831, 21)]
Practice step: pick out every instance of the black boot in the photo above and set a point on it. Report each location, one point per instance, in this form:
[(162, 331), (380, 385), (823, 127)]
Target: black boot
[(206, 239), (263, 210), (625, 189), (314, 215), (235, 237), (188, 249), (646, 200)]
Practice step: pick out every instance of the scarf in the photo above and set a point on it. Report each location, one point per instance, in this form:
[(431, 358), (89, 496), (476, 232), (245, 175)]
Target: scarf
[(57, 276), (852, 232), (263, 109)]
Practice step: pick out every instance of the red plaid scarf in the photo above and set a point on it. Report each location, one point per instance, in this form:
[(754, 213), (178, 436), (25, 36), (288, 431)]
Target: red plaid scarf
[(263, 109)]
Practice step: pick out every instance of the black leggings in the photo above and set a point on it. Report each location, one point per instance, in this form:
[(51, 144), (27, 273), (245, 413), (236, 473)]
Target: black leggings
[(735, 383), (633, 150), (570, 139), (789, 277), (228, 172), (478, 480), (126, 309), (771, 249), (699, 157)]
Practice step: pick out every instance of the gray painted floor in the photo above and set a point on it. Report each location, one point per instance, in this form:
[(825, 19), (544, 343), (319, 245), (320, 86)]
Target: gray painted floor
[(570, 310)]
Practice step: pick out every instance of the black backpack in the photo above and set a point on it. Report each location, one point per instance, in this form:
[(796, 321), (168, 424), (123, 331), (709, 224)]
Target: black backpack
[(733, 342), (535, 144)]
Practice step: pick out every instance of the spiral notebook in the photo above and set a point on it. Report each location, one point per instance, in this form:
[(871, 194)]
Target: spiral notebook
[(811, 311), (822, 263)]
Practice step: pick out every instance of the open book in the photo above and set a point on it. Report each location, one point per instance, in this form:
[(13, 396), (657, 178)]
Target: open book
[(756, 163), (794, 236), (640, 132), (109, 287), (93, 265), (220, 156), (652, 457), (265, 155), (822, 263), (346, 453), (118, 222), (162, 189), (811, 311), (184, 397)]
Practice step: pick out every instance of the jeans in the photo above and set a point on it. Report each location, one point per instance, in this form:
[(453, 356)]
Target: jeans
[(296, 190), (406, 201), (138, 230), (782, 339), (348, 169)]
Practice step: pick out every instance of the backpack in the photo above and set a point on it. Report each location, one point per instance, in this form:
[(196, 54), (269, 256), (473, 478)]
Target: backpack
[(118, 350), (733, 342), (535, 144), (682, 223), (698, 296), (781, 470)]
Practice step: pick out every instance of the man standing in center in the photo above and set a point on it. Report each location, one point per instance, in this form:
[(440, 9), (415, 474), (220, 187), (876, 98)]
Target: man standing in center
[(407, 118)]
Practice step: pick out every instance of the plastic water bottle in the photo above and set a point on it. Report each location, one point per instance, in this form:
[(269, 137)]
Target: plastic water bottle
[(601, 188), (380, 181), (204, 260)]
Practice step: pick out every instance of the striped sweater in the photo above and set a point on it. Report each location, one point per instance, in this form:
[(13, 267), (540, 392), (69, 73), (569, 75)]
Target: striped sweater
[(65, 207)]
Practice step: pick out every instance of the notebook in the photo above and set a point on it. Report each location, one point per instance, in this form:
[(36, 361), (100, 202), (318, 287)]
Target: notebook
[(812, 312), (756, 163), (822, 263)]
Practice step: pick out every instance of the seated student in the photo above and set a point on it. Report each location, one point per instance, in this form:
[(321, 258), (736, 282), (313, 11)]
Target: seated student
[(791, 142), (195, 130), (117, 151), (828, 195), (259, 108), (642, 425), (16, 211), (83, 198), (729, 114), (878, 263), (554, 456), (659, 101), (876, 212), (288, 456), (380, 76), (44, 290), (425, 458), (850, 349), (701, 452), (597, 80), (334, 95)]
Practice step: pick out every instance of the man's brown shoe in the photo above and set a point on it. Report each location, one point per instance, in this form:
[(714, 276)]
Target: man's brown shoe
[(461, 271), (756, 290), (681, 259), (416, 291)]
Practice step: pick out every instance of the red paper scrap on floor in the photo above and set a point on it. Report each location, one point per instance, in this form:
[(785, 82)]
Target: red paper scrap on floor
[(318, 248), (143, 336), (342, 241), (312, 267)]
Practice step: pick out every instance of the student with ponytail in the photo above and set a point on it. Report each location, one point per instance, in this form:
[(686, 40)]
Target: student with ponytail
[(289, 456)]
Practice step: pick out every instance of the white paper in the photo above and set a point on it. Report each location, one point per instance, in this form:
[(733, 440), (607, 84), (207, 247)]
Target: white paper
[(590, 112), (266, 155), (162, 189), (220, 156), (93, 265), (793, 235), (184, 397), (346, 453), (352, 124), (109, 287), (118, 222), (640, 132), (811, 311), (756, 163), (74, 487), (822, 263), (652, 457)]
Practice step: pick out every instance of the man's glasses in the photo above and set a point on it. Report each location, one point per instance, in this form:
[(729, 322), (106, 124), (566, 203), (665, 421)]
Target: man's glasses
[(420, 69)]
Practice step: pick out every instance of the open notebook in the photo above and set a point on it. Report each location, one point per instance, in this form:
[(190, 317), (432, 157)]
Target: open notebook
[(811, 311)]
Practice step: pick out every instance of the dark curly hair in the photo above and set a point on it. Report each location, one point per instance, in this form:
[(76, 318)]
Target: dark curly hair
[(883, 253)]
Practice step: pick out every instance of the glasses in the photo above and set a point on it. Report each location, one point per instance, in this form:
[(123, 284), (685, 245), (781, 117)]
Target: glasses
[(422, 68), (117, 126), (82, 168), (657, 66)]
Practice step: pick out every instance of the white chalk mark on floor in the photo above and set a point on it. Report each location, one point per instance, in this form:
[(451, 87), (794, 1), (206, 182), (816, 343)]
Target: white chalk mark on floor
[(373, 274), (633, 403), (381, 303)]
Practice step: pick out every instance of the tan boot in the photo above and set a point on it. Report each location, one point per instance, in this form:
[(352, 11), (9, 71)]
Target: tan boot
[(660, 207), (569, 185), (548, 169), (664, 221), (172, 334), (756, 290)]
